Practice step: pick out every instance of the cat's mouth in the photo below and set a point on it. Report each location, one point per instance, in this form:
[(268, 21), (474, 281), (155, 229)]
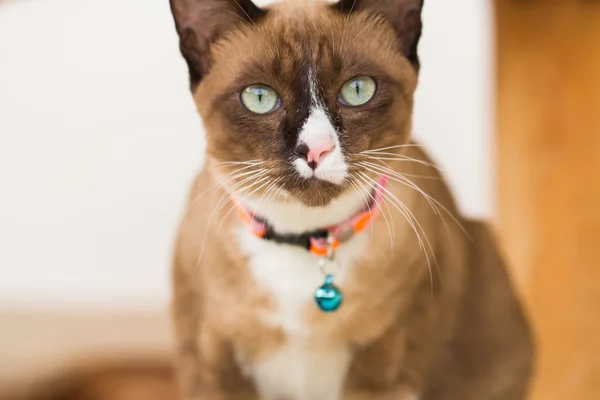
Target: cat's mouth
[(314, 192), (331, 169)]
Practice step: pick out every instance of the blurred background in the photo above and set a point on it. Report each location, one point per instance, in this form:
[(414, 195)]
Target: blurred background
[(99, 141)]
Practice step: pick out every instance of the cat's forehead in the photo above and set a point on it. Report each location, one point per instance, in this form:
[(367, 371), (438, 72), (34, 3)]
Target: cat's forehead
[(318, 39), (310, 30)]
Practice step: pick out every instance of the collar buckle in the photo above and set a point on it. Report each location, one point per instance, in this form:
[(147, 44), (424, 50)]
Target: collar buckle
[(346, 234), (330, 246)]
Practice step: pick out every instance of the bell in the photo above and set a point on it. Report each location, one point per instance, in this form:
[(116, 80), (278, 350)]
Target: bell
[(328, 297)]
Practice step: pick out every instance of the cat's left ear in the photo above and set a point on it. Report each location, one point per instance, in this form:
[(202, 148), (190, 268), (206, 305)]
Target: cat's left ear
[(403, 15), (200, 23)]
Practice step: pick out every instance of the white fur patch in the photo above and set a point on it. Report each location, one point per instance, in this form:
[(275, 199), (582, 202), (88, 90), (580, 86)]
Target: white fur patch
[(318, 128), (291, 275), (293, 217), (333, 168), (298, 374)]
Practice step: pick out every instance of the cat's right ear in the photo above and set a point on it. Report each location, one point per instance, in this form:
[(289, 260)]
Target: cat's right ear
[(200, 23), (403, 15)]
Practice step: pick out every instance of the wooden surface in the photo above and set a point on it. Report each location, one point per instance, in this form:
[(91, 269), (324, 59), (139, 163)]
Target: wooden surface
[(548, 138), (44, 346)]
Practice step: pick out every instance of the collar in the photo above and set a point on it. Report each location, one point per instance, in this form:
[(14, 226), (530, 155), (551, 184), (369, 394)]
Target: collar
[(319, 241)]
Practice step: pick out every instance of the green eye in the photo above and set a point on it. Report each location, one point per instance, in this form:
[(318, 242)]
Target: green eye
[(357, 91), (259, 99)]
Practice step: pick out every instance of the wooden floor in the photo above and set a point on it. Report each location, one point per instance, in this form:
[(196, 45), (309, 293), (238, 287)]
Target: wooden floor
[(548, 138), (72, 356)]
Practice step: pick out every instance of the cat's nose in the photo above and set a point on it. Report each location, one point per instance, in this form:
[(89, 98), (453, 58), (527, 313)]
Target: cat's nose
[(313, 153)]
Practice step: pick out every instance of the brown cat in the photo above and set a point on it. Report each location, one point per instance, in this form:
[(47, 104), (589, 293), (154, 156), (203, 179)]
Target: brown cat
[(344, 272)]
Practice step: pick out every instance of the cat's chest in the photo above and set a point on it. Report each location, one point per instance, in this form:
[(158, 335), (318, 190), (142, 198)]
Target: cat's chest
[(304, 366)]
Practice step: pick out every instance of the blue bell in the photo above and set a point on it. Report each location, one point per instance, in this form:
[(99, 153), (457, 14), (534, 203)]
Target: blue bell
[(328, 297)]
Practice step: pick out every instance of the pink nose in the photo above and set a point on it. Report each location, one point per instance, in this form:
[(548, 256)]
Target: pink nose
[(314, 152)]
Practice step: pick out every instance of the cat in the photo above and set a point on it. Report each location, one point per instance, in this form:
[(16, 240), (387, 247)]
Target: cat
[(321, 256)]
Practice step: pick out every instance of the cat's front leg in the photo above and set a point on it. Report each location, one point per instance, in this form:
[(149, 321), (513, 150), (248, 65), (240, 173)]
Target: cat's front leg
[(205, 365), (219, 380)]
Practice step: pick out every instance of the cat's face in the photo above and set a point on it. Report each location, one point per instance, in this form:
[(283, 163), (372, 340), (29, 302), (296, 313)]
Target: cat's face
[(292, 98)]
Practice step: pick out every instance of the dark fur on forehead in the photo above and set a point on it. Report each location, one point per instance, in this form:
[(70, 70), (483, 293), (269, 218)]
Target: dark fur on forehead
[(200, 23), (403, 15)]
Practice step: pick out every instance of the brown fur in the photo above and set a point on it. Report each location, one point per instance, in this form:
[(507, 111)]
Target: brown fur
[(234, 134), (452, 330), (465, 340)]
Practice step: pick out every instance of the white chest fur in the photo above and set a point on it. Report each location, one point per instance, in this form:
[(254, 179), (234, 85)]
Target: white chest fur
[(291, 275)]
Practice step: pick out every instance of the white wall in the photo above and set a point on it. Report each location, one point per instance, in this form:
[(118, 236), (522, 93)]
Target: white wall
[(99, 140), (453, 114)]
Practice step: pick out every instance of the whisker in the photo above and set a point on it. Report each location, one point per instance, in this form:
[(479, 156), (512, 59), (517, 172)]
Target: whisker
[(398, 146), (225, 197), (389, 168), (440, 205), (245, 198), (249, 162), (365, 201), (399, 178), (391, 230), (401, 157), (228, 178), (413, 221), (278, 189), (403, 209), (435, 204), (281, 188), (269, 188), (261, 173)]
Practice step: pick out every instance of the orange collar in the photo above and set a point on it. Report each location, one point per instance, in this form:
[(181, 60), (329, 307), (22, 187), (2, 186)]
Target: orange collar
[(317, 241)]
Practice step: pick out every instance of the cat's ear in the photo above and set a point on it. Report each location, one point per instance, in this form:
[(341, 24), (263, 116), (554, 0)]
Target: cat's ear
[(403, 15), (200, 22)]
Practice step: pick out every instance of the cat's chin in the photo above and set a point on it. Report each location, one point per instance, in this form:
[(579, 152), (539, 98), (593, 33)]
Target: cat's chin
[(315, 193), (315, 202)]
